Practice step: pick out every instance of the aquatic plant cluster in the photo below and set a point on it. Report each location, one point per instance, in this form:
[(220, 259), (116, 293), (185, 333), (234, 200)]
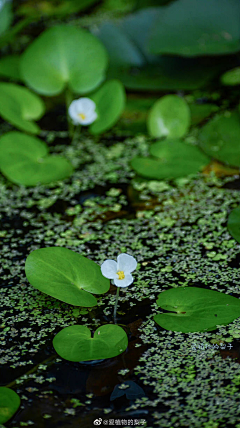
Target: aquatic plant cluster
[(162, 199)]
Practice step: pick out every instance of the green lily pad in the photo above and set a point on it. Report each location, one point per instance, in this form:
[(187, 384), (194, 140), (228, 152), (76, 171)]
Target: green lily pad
[(193, 27), (24, 160), (9, 403), (19, 106), (9, 67), (64, 56), (196, 309), (110, 101), (231, 77), (233, 224), (75, 343), (176, 159), (66, 275), (219, 138), (169, 117)]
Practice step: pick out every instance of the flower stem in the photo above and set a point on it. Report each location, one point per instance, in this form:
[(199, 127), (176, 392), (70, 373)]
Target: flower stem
[(68, 100), (115, 307), (76, 132)]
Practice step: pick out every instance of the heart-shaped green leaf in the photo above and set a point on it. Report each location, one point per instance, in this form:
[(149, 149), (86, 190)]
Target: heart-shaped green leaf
[(233, 224), (9, 403), (24, 160), (75, 343), (196, 309), (64, 56), (231, 77), (219, 138), (9, 67), (66, 275), (110, 101), (169, 117), (193, 27), (19, 106), (176, 159)]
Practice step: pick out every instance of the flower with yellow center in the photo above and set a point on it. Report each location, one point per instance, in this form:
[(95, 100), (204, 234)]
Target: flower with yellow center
[(120, 271), (82, 111)]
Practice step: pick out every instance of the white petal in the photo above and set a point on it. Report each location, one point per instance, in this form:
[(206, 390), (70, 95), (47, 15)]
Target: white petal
[(126, 263), (73, 112), (86, 105), (124, 282), (109, 269)]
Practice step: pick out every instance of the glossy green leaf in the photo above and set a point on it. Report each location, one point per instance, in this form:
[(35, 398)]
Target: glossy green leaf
[(196, 309), (9, 67), (233, 224), (110, 101), (64, 56), (66, 275), (193, 27), (19, 106), (231, 77), (219, 138), (169, 117), (175, 159), (9, 403), (24, 160), (75, 343)]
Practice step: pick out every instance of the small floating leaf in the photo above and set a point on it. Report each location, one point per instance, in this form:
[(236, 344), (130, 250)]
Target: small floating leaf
[(196, 309), (231, 77), (24, 160), (19, 106), (9, 403), (110, 102), (233, 224), (219, 138), (64, 56), (75, 343), (169, 117), (176, 159), (66, 275)]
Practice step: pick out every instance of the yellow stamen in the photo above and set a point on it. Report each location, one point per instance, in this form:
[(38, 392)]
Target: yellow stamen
[(82, 116), (120, 274)]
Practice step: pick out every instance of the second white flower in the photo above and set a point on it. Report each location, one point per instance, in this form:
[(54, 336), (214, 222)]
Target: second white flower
[(82, 111)]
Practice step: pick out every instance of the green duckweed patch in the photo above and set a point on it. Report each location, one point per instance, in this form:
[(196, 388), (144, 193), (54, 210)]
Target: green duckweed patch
[(176, 231)]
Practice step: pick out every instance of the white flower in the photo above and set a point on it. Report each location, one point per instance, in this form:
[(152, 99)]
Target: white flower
[(120, 271), (82, 111)]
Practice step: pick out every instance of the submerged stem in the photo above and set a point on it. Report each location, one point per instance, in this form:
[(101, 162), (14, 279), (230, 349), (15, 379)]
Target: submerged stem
[(115, 307)]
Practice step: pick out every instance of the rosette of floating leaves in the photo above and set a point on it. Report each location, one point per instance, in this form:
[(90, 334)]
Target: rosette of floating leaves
[(72, 278)]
